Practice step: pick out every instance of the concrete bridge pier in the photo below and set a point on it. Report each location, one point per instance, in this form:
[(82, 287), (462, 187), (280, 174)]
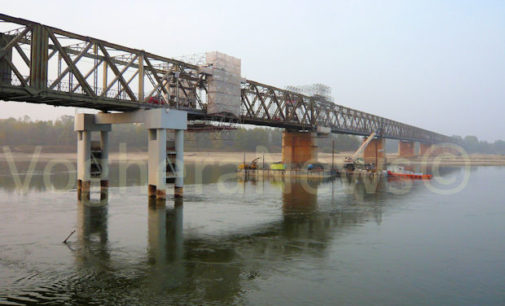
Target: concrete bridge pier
[(423, 148), (179, 164), (298, 148), (156, 163), (406, 148), (157, 122), (104, 160), (92, 156), (374, 153), (83, 162)]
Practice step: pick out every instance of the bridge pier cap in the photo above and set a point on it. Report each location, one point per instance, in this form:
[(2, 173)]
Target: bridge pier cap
[(152, 119), (86, 122), (159, 118)]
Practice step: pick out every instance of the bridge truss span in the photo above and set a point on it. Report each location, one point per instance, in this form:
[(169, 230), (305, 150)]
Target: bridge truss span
[(267, 105), (43, 64), (53, 66)]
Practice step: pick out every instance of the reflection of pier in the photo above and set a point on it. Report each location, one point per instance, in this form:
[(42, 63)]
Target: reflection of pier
[(216, 268), (165, 227), (211, 267), (92, 231)]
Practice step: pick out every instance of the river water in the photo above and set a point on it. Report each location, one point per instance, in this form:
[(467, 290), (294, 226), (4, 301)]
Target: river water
[(254, 241)]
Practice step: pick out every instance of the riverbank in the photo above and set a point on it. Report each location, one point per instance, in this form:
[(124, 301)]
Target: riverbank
[(238, 157)]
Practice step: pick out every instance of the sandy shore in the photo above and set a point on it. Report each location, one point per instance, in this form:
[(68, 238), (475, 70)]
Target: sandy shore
[(238, 157)]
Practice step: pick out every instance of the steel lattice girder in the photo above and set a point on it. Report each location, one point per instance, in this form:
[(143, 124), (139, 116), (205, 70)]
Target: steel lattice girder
[(262, 103), (132, 79)]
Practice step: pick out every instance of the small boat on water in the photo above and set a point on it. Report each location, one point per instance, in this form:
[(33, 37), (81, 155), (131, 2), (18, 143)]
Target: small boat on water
[(404, 174), (413, 176)]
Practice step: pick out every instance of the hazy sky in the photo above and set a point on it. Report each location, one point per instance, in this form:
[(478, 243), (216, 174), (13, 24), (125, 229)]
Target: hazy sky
[(439, 65)]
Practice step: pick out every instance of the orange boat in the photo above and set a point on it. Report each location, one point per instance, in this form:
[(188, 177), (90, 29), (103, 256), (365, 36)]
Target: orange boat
[(412, 176)]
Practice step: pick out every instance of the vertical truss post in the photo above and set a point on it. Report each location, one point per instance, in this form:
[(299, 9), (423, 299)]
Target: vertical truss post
[(95, 72), (141, 78), (312, 117), (5, 69), (104, 76), (39, 57), (59, 70)]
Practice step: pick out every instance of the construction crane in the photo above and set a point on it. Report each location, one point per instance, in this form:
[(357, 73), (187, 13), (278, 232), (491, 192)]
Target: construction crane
[(351, 161)]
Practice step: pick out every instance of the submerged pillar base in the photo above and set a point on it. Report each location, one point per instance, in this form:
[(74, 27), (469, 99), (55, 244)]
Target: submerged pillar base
[(178, 192), (154, 192), (374, 153), (104, 189), (83, 186), (298, 148), (83, 189), (104, 184), (161, 194), (151, 191)]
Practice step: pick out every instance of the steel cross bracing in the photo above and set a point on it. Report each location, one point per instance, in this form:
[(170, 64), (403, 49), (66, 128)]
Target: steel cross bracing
[(52, 66)]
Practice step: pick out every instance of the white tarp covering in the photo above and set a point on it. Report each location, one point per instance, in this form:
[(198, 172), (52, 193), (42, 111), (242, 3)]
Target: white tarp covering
[(224, 84)]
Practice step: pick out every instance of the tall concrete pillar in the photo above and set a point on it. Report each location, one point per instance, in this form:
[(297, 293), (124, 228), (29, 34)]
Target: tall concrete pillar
[(156, 163), (85, 125), (104, 160), (406, 148), (374, 153), (423, 148), (179, 163), (298, 148), (83, 162)]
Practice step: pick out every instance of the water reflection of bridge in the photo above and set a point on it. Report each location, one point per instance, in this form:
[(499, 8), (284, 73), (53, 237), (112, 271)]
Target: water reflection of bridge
[(198, 268)]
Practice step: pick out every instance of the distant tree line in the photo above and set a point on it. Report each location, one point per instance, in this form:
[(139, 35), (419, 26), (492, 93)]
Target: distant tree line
[(473, 145), (57, 136)]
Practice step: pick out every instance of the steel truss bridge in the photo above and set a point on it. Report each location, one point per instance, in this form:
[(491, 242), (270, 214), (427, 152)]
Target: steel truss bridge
[(43, 64)]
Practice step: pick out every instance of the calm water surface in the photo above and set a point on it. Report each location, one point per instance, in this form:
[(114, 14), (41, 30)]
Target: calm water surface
[(255, 242)]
